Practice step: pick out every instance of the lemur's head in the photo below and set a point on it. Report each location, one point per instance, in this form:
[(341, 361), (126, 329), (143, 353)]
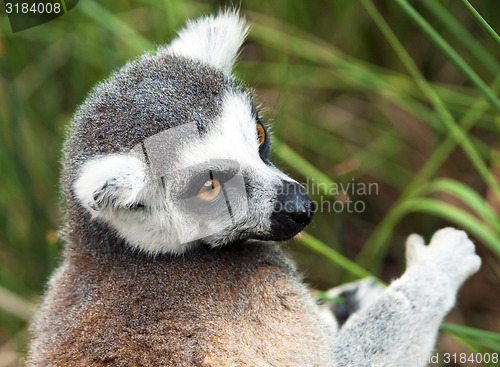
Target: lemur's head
[(170, 151)]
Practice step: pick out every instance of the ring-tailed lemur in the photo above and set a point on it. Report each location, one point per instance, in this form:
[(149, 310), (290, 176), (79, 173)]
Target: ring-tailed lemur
[(172, 209)]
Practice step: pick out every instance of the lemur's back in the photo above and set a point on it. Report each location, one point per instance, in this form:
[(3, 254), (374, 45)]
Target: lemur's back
[(238, 305)]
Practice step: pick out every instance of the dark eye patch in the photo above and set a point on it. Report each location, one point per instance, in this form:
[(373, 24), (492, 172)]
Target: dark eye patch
[(229, 179), (197, 181), (196, 176), (265, 147)]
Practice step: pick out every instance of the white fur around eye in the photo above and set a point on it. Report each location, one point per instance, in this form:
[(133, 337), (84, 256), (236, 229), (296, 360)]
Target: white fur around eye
[(119, 178), (212, 40)]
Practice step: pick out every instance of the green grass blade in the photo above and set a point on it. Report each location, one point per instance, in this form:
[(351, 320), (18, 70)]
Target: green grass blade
[(457, 216), (466, 39), (446, 117), (63, 3), (333, 256), (487, 338), (107, 20), (435, 207), (15, 305), (355, 72), (301, 165), (450, 52), (483, 23), (376, 246), (468, 196), (318, 53)]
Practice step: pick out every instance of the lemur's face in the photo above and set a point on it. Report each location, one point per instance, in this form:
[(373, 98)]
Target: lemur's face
[(187, 184)]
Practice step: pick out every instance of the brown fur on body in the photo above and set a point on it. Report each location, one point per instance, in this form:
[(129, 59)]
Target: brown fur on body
[(116, 308)]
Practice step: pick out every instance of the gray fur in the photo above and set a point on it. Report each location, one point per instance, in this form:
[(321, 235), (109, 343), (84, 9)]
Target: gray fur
[(131, 106)]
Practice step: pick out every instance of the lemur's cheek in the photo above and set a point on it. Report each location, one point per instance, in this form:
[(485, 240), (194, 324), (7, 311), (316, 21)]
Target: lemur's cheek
[(110, 182)]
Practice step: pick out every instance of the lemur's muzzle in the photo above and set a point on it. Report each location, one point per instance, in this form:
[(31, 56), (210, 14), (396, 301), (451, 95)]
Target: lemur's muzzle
[(293, 210)]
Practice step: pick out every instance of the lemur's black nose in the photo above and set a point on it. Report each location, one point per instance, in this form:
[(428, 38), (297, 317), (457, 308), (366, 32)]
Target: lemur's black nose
[(293, 210), (303, 214)]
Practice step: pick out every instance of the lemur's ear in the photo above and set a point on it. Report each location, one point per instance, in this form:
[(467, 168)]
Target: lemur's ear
[(110, 182), (212, 40)]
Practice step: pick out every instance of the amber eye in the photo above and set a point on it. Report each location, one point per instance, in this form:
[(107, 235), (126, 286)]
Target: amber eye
[(261, 134), (210, 190)]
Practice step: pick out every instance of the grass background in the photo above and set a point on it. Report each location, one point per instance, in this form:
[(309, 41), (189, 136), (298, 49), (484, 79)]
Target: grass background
[(402, 94)]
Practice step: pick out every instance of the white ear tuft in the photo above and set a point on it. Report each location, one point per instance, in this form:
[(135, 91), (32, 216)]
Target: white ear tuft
[(113, 181), (212, 40)]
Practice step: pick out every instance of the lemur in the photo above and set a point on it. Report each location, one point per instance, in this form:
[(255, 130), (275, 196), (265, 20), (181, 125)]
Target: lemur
[(174, 214)]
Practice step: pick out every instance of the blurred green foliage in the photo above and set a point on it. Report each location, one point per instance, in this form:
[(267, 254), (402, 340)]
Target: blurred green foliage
[(401, 94)]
